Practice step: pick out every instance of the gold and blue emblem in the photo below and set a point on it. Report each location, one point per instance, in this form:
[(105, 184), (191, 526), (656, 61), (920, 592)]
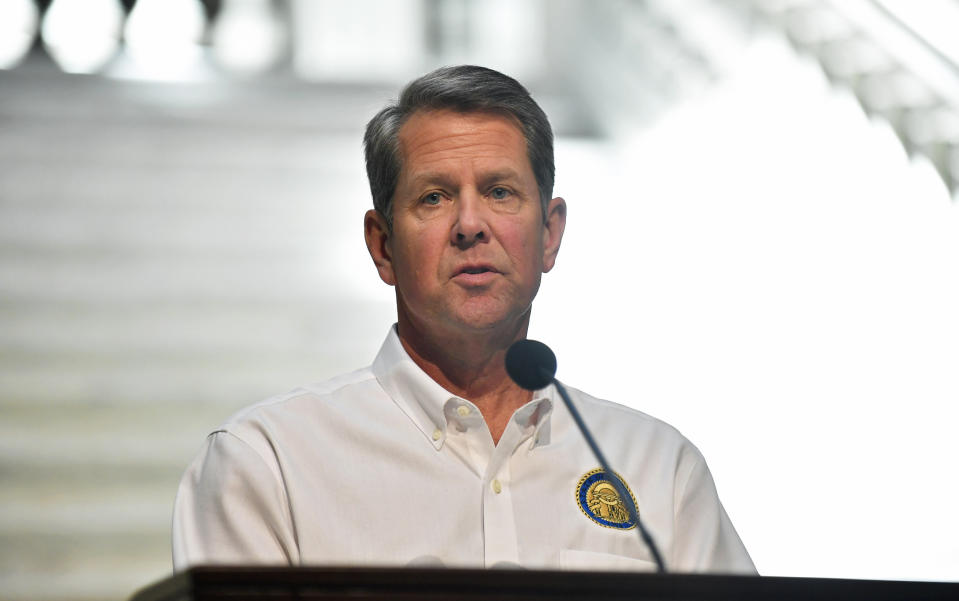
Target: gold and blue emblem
[(597, 498)]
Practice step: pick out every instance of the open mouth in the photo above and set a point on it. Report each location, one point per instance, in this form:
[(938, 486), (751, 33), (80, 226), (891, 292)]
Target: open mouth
[(476, 273)]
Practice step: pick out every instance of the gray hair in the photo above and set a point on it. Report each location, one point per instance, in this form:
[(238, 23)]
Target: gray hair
[(464, 89)]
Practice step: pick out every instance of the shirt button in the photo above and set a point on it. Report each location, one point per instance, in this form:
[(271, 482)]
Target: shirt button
[(463, 410), (437, 434), (497, 487)]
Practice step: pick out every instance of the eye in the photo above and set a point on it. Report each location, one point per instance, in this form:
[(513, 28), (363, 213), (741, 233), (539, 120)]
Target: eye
[(433, 199), (499, 193)]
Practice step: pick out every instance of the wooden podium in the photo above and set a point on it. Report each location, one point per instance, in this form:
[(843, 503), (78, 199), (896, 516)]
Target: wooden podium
[(238, 583)]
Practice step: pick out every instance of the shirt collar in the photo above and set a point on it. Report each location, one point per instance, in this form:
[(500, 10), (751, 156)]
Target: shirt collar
[(427, 403)]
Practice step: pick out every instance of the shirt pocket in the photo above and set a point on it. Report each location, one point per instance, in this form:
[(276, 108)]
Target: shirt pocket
[(573, 559)]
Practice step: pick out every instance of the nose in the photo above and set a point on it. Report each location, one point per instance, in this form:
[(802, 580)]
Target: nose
[(471, 226)]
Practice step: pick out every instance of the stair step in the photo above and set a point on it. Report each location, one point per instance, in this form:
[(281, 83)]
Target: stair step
[(90, 510), (80, 567), (164, 329), (168, 255), (180, 377)]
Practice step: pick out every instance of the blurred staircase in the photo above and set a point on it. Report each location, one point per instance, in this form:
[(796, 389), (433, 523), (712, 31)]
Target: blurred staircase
[(168, 254)]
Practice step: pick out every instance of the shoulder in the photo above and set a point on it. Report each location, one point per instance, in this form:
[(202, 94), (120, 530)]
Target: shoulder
[(302, 407), (616, 413), (293, 424), (614, 421), (311, 395)]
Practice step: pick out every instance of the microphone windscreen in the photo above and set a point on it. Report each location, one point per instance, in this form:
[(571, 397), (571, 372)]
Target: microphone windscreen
[(531, 364)]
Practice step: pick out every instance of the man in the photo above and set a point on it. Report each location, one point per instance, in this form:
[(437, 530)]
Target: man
[(432, 455)]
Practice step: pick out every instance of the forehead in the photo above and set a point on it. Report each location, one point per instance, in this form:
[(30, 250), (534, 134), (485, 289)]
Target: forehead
[(434, 137)]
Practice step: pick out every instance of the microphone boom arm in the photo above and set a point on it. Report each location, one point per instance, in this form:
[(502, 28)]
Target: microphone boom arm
[(620, 489)]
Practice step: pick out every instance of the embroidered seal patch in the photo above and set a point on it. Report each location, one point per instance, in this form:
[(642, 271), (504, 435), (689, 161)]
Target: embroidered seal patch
[(597, 498)]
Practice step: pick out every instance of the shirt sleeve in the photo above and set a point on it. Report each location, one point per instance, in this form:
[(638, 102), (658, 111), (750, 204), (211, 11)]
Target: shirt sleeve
[(231, 507), (706, 540)]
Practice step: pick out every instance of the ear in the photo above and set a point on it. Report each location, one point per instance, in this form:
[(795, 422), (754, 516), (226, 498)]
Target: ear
[(553, 231), (377, 235)]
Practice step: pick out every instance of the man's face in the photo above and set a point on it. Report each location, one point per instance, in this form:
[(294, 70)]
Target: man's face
[(469, 243)]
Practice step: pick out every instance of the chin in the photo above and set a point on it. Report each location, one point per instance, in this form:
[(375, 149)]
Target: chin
[(486, 319)]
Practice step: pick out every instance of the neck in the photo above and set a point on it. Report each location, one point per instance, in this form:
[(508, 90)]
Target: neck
[(471, 366)]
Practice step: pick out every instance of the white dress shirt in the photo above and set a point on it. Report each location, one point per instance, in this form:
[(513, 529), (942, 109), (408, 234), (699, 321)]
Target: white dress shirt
[(383, 466)]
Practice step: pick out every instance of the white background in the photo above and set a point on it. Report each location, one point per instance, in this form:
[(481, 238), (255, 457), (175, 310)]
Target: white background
[(766, 270)]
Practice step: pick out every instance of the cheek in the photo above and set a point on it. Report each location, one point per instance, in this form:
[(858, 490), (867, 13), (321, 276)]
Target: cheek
[(525, 247), (420, 254)]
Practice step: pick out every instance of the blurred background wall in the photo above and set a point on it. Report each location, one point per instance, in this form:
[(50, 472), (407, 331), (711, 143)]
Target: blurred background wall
[(763, 250)]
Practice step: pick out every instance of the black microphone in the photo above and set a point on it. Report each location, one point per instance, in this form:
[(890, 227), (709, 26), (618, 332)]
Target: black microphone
[(532, 365)]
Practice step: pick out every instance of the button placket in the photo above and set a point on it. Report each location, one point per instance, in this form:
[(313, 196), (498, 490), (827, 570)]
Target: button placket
[(465, 437), (499, 520)]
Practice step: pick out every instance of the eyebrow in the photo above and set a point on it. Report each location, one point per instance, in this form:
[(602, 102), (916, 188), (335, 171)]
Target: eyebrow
[(488, 179), (430, 178)]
